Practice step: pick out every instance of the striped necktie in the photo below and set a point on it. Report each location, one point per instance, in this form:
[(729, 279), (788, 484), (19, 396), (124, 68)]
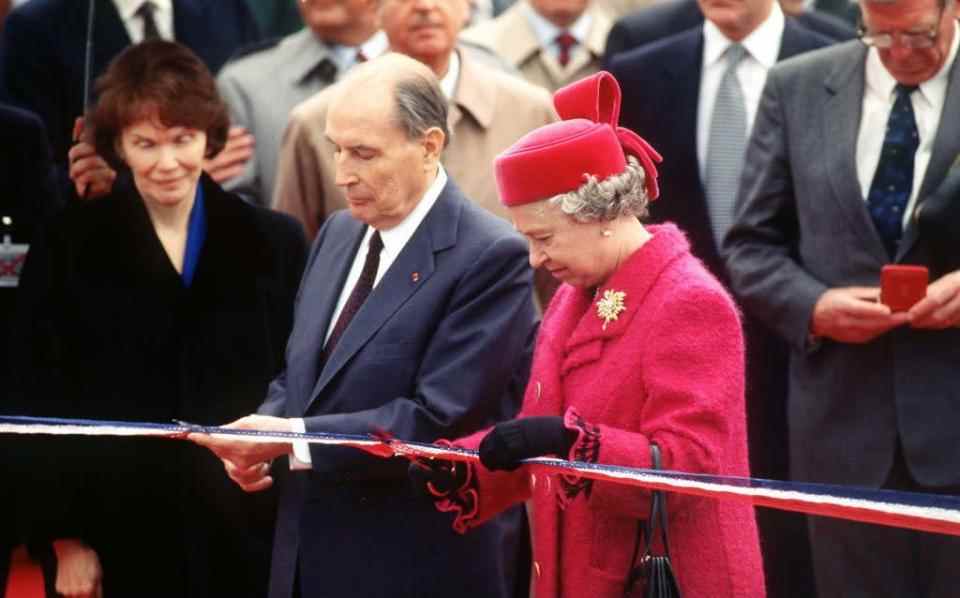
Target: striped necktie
[(565, 42)]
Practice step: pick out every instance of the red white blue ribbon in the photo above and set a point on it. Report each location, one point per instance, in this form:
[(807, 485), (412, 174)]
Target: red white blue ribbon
[(924, 512)]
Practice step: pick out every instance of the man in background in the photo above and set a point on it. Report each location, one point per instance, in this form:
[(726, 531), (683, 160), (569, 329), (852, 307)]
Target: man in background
[(43, 47), (489, 111), (848, 144), (669, 17), (551, 42), (262, 87)]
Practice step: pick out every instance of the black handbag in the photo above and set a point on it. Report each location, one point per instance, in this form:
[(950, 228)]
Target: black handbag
[(653, 569)]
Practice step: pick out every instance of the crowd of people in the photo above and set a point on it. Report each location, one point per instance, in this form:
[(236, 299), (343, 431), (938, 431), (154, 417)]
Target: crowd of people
[(606, 230)]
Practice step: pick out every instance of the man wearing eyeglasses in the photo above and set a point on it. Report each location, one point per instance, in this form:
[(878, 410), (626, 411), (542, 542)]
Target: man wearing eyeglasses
[(847, 144)]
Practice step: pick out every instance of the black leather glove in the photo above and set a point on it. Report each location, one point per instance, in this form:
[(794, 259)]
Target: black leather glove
[(510, 442), (436, 478)]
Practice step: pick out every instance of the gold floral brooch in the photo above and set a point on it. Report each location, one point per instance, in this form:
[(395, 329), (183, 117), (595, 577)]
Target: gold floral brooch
[(611, 306)]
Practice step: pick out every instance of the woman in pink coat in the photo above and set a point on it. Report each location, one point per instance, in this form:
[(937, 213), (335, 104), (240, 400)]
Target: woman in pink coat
[(640, 345)]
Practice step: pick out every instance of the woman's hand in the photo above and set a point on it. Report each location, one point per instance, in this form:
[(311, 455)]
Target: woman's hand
[(78, 570), (510, 442)]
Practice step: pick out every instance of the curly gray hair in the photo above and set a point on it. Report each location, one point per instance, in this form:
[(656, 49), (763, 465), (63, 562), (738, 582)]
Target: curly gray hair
[(619, 195)]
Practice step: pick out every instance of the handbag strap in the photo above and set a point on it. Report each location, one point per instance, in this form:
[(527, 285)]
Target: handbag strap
[(647, 528), (658, 511)]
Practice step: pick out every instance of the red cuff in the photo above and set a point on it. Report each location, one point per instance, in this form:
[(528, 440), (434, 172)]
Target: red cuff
[(463, 503), (586, 448)]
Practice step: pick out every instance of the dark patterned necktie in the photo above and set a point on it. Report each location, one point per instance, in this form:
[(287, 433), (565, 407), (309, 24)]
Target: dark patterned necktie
[(145, 12), (565, 42), (325, 71), (358, 295), (893, 181)]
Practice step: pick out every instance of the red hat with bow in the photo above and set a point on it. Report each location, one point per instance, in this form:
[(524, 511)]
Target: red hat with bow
[(557, 158)]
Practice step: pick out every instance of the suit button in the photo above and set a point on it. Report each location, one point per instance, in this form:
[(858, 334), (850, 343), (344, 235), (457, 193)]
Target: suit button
[(536, 568), (539, 392)]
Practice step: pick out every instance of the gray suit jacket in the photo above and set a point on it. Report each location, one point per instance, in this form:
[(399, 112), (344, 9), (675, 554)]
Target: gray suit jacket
[(802, 228), (261, 89)]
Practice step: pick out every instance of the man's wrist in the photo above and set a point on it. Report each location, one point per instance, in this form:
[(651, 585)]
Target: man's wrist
[(300, 452)]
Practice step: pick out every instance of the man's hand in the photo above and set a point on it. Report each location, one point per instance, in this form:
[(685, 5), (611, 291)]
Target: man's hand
[(233, 158), (250, 479), (941, 307), (91, 175), (78, 570), (243, 453), (854, 315)]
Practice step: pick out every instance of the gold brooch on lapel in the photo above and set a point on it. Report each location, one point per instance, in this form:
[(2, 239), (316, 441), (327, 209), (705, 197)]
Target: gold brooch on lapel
[(611, 306)]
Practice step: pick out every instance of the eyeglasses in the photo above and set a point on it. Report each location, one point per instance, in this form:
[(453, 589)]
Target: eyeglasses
[(912, 41)]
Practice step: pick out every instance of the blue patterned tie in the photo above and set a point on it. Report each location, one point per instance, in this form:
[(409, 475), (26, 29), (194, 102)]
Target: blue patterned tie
[(893, 181)]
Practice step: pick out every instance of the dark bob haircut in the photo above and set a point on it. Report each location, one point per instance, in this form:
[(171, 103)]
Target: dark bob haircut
[(157, 79)]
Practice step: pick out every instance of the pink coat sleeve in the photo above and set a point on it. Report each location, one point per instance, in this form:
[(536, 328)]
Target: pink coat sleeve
[(492, 491), (692, 400)]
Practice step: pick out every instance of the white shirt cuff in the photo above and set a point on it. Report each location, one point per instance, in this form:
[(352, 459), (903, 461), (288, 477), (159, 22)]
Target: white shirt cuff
[(300, 459)]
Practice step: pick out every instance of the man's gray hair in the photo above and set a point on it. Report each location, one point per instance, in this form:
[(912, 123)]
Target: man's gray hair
[(420, 105), (623, 194)]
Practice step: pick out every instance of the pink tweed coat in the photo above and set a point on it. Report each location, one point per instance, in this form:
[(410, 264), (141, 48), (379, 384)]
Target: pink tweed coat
[(668, 370)]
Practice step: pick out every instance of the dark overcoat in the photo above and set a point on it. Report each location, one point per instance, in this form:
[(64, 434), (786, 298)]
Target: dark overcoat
[(108, 330)]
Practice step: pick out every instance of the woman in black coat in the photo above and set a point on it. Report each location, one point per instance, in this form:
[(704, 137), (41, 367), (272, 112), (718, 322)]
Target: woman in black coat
[(168, 299)]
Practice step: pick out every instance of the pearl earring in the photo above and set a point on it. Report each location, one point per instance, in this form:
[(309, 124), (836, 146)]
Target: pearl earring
[(606, 233)]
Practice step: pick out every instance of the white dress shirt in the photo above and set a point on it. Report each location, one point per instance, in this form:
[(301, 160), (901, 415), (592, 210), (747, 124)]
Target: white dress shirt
[(162, 14), (878, 99), (345, 57), (762, 48), (547, 32), (394, 240), (448, 84)]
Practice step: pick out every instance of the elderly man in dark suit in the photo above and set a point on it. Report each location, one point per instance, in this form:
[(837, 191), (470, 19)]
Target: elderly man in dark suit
[(43, 43), (670, 17), (848, 144), (413, 317), (699, 118)]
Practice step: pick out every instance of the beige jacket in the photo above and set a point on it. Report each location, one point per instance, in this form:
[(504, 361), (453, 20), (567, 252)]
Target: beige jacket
[(489, 112), (511, 37)]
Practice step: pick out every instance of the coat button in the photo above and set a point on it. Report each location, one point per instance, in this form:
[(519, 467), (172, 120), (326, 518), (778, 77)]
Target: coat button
[(539, 391), (536, 568)]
